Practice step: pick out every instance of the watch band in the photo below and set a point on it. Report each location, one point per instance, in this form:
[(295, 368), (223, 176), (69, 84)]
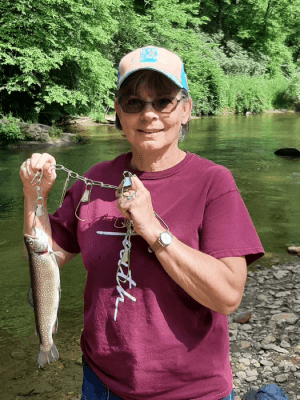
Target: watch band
[(155, 247)]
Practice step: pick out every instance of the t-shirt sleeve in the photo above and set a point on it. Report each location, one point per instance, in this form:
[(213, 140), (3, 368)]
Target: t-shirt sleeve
[(64, 222), (227, 229)]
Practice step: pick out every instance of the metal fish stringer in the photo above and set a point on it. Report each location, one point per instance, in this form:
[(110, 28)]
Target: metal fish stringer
[(39, 201), (124, 272), (85, 198)]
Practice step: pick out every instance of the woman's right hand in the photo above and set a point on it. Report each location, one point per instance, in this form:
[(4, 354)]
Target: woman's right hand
[(43, 163)]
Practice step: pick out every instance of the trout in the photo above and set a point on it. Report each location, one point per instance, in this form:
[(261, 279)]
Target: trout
[(44, 293)]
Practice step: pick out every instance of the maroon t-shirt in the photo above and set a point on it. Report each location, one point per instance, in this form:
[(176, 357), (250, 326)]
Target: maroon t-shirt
[(164, 345)]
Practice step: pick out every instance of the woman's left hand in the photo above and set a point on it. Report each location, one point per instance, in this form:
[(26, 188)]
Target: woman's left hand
[(135, 204)]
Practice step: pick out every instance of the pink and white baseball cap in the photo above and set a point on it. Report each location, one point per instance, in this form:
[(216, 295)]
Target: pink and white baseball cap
[(156, 59)]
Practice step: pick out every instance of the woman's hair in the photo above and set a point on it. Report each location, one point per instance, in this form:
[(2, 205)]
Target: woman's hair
[(156, 84)]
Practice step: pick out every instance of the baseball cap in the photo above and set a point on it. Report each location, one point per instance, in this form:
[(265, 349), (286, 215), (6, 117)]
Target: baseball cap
[(156, 59)]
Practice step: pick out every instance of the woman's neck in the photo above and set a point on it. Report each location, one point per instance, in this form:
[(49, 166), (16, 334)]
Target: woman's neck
[(154, 162)]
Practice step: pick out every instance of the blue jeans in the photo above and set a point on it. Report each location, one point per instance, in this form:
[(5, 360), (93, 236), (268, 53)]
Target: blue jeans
[(94, 389)]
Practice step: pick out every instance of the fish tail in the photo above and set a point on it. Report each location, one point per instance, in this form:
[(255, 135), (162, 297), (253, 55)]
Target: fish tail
[(47, 356)]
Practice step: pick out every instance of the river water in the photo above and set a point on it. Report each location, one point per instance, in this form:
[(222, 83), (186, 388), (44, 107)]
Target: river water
[(269, 185)]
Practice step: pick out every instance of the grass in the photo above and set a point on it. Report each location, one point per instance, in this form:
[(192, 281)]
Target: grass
[(244, 93)]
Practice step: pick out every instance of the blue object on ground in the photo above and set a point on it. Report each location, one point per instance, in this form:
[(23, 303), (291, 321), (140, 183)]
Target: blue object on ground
[(267, 392)]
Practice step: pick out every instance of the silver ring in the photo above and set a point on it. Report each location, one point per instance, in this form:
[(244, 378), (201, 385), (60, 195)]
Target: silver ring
[(131, 196)]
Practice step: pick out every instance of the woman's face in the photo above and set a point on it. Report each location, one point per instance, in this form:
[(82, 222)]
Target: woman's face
[(149, 129)]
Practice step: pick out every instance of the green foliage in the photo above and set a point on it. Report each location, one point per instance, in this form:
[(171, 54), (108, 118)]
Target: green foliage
[(50, 59), (59, 58), (55, 132), (9, 128), (293, 87), (173, 24), (243, 93), (233, 59), (97, 116), (260, 26)]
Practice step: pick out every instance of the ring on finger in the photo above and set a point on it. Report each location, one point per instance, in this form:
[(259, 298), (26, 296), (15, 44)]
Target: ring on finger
[(131, 196)]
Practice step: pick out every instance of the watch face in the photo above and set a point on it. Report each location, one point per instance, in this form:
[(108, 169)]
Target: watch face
[(166, 238)]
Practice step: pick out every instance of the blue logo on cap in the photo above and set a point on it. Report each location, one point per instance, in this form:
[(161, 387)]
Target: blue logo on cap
[(148, 55)]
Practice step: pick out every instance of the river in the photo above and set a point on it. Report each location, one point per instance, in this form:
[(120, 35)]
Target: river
[(269, 185)]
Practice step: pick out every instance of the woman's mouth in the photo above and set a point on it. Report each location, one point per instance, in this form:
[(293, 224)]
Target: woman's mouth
[(149, 131)]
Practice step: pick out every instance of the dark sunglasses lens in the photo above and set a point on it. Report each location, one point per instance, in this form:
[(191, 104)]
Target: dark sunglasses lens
[(164, 104), (131, 106), (135, 105)]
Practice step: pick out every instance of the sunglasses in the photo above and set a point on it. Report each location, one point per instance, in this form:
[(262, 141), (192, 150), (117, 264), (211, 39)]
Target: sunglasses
[(133, 105)]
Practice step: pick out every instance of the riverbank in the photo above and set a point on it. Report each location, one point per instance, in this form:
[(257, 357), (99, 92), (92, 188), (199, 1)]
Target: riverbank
[(264, 344), (15, 133), (37, 134)]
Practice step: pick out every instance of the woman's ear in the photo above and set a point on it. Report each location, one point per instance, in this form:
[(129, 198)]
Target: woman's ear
[(187, 109)]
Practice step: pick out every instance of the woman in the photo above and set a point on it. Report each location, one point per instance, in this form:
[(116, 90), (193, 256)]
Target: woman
[(161, 332)]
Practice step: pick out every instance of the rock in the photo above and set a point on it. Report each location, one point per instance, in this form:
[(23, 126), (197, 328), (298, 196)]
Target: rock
[(294, 250), (275, 348), (266, 362), (111, 119), (292, 320), (281, 378), (245, 361), (251, 372), (251, 378), (244, 344), (268, 339), (287, 152), (262, 297), (280, 274), (282, 316), (241, 374), (282, 294), (39, 133), (242, 317), (246, 327), (284, 344)]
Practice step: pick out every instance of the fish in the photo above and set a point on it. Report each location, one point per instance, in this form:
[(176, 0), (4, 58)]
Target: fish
[(44, 293)]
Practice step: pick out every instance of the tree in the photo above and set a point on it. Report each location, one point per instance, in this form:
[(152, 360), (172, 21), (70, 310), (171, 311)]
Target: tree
[(54, 56), (259, 26), (175, 25)]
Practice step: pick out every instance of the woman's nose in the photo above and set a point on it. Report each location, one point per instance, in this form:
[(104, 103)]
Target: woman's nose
[(149, 112)]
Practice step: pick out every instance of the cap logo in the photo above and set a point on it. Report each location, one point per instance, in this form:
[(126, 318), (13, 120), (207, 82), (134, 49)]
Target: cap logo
[(148, 55)]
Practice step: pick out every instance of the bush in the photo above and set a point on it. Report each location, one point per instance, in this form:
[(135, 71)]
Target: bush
[(292, 92), (55, 132), (233, 59), (255, 94), (9, 129)]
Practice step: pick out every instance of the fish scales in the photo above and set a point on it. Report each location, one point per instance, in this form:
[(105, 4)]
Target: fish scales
[(45, 293)]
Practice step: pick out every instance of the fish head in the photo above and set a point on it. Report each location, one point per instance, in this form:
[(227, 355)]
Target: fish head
[(35, 245)]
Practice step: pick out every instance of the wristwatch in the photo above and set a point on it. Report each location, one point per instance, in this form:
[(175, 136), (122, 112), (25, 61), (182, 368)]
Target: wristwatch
[(163, 240)]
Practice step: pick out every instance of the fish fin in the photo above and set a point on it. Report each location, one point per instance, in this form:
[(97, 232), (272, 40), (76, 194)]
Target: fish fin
[(30, 297), (55, 326), (47, 356)]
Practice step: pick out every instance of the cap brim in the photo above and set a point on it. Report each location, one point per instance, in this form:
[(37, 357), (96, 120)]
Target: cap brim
[(169, 76)]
